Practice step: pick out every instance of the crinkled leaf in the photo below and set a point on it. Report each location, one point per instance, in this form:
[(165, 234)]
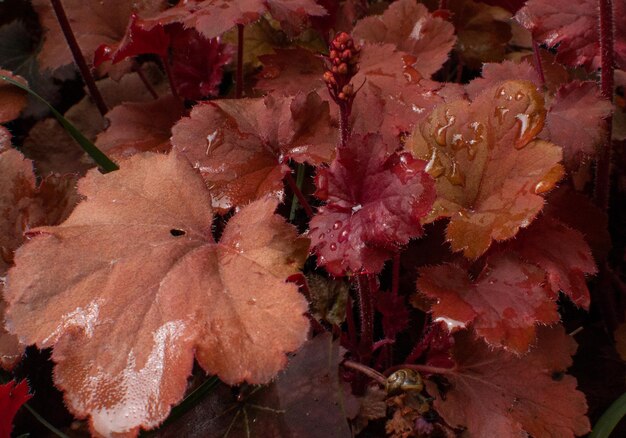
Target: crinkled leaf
[(503, 304), (140, 127), (142, 288), (413, 30), (575, 120), (240, 146), (489, 169), (572, 28), (12, 99), (496, 73), (562, 252), (94, 23), (495, 393), (375, 200), (12, 396), (291, 71)]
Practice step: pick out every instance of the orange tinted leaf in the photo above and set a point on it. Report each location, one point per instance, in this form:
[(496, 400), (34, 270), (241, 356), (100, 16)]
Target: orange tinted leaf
[(12, 99), (487, 164), (240, 146), (504, 303), (562, 252), (496, 73), (413, 30), (140, 127), (140, 287), (495, 393)]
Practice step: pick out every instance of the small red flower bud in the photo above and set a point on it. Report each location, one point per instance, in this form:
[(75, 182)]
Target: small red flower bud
[(343, 68)]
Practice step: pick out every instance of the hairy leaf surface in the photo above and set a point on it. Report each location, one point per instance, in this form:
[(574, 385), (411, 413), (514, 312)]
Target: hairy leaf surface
[(139, 287)]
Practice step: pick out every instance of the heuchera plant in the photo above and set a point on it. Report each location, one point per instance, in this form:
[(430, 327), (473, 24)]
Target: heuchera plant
[(368, 218)]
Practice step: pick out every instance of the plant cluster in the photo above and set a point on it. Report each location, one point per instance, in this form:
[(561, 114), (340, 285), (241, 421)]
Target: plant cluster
[(365, 217)]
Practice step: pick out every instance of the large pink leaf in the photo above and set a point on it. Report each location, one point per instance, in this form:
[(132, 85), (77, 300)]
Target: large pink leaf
[(375, 200), (138, 287)]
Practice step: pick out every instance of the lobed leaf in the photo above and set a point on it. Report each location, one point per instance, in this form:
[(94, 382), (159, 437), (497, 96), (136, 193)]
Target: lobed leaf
[(375, 200), (496, 393), (139, 288), (490, 171), (503, 304)]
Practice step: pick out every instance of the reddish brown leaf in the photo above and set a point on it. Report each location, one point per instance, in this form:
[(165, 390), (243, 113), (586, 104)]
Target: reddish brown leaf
[(12, 396), (12, 99), (375, 202), (575, 120), (5, 139), (10, 349), (139, 288), (572, 28), (498, 394), (413, 30), (394, 311), (93, 22), (291, 71), (504, 303), (140, 127), (240, 146), (562, 252), (496, 73), (489, 169)]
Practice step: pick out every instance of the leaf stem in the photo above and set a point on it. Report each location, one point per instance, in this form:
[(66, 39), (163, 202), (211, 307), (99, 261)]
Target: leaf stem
[(239, 78), (78, 56), (370, 372), (43, 421), (344, 124), (170, 78), (137, 69), (296, 191), (299, 180), (364, 294), (610, 418), (395, 274), (603, 165), (538, 64)]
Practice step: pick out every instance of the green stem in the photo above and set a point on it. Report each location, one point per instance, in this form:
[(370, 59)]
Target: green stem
[(610, 418), (96, 154), (294, 200), (43, 421)]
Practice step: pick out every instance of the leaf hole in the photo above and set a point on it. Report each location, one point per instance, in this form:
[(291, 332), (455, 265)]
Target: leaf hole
[(177, 233)]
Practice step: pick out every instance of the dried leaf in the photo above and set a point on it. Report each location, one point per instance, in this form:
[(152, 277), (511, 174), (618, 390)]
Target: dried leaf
[(375, 200), (495, 393), (503, 304), (140, 288), (489, 169)]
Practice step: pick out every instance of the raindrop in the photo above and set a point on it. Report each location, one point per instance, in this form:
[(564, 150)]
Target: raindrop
[(456, 176), (333, 246), (337, 225), (343, 236), (434, 166), (519, 95), (440, 135), (214, 139), (322, 235)]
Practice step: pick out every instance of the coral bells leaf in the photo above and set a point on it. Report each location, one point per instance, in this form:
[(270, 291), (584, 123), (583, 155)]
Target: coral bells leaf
[(572, 28), (240, 145), (413, 30), (138, 288), (375, 201), (504, 303), (494, 393), (12, 396), (562, 252), (490, 171), (12, 99), (575, 120)]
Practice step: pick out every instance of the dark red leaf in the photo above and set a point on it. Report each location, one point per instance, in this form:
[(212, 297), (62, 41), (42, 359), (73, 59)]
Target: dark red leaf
[(375, 202), (12, 396)]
